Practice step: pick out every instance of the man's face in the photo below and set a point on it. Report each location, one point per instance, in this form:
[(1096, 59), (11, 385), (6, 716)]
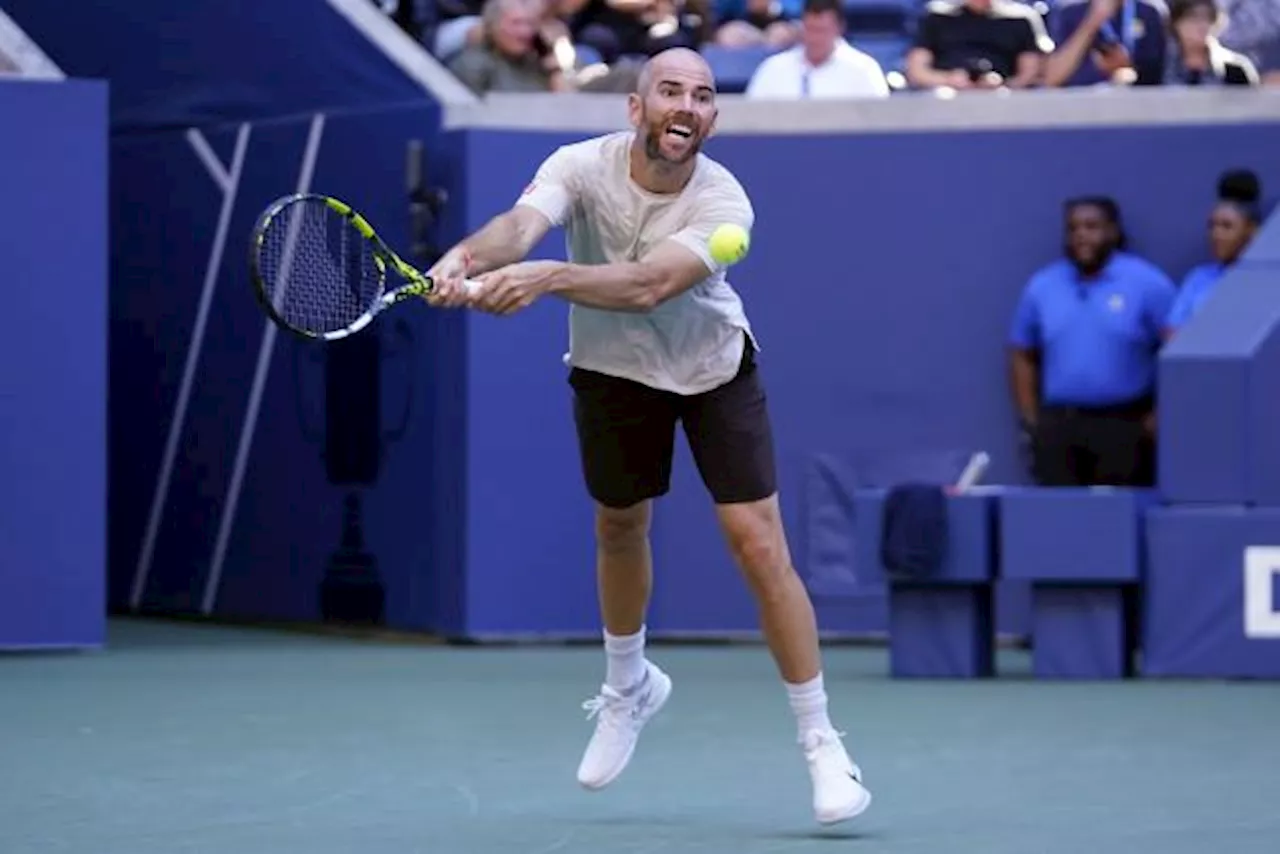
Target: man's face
[(819, 32), (677, 112), (1090, 236), (1229, 233), (513, 33)]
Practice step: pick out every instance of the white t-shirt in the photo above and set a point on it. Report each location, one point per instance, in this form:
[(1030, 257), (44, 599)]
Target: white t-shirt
[(847, 73), (692, 342)]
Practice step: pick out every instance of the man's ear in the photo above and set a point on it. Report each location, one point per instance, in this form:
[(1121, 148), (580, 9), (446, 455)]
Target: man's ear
[(634, 107), (711, 128)]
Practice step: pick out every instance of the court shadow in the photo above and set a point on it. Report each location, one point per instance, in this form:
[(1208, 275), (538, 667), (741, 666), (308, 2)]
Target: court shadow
[(834, 834), (744, 833)]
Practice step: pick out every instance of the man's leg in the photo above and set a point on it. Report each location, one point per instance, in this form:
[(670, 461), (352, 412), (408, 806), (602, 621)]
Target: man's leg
[(1058, 454), (1120, 443), (626, 435), (624, 576), (731, 440)]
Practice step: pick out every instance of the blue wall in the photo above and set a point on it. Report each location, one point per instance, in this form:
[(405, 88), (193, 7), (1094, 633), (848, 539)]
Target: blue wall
[(882, 307), (883, 273), (53, 373), (165, 209)]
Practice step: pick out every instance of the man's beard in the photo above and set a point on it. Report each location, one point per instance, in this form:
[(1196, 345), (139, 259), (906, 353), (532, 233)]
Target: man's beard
[(653, 149)]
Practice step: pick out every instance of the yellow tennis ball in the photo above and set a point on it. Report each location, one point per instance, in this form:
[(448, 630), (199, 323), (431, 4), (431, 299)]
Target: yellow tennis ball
[(729, 243)]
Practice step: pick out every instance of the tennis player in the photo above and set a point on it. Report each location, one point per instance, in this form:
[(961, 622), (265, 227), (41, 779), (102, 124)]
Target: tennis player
[(658, 338)]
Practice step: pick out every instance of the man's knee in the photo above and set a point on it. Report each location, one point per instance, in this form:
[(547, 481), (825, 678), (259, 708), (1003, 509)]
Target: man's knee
[(620, 528), (756, 540)]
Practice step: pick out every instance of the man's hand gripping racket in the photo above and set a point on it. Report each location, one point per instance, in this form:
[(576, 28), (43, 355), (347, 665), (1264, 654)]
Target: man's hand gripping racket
[(320, 271)]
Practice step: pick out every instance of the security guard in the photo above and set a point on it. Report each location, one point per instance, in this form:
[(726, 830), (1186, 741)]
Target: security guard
[(1232, 225), (1084, 341)]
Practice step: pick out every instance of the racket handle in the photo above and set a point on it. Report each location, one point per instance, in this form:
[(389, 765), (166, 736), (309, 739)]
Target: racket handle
[(470, 285)]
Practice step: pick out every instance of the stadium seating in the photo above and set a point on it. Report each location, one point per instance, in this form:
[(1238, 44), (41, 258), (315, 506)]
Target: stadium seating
[(733, 67)]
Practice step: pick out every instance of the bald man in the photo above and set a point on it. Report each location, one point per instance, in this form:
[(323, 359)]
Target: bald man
[(658, 338)]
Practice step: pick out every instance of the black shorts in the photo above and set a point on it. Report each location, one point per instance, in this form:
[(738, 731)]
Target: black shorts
[(626, 435)]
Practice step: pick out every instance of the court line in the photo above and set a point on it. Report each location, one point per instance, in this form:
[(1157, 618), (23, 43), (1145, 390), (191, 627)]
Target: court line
[(228, 180), (265, 351)]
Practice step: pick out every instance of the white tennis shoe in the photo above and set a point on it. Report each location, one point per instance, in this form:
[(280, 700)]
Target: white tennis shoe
[(619, 719), (838, 793)]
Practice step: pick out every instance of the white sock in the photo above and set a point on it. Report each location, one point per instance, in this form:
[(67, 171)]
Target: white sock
[(809, 703), (625, 655)]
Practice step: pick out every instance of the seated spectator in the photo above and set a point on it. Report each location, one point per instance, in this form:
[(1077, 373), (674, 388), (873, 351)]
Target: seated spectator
[(1196, 57), (639, 28), (458, 26), (1232, 225), (823, 65), (1084, 341), (1253, 28), (1124, 41), (754, 23), (978, 44), (512, 55)]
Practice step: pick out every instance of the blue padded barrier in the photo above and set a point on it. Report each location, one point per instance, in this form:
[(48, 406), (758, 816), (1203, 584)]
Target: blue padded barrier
[(1264, 249), (943, 626), (1219, 409), (1212, 598), (1082, 551), (53, 353)]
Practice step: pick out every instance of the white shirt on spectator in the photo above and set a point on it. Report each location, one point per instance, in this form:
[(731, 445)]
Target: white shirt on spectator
[(847, 73)]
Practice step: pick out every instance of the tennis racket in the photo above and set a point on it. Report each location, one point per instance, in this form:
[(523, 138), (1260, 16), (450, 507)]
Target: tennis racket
[(319, 270)]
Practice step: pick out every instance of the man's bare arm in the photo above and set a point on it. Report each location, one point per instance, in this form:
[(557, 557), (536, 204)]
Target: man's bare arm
[(1069, 55), (1024, 383), (1028, 73), (922, 75), (636, 286), (505, 239)]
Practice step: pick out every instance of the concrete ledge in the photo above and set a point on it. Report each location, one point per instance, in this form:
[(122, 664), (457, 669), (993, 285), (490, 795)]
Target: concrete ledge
[(1061, 108)]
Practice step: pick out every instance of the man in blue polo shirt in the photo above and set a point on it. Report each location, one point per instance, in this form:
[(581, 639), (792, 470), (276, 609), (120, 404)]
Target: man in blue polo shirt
[(1083, 365)]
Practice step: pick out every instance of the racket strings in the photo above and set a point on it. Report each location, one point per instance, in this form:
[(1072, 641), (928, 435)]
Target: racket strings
[(320, 273)]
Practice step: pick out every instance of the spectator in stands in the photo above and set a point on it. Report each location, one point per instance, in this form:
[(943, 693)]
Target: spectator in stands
[(757, 23), (823, 65), (512, 55), (1232, 225), (978, 44), (639, 28), (1196, 57), (1253, 28), (1124, 41), (458, 25), (1084, 341)]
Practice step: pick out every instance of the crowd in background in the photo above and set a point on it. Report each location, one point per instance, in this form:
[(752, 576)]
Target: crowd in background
[(852, 48)]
